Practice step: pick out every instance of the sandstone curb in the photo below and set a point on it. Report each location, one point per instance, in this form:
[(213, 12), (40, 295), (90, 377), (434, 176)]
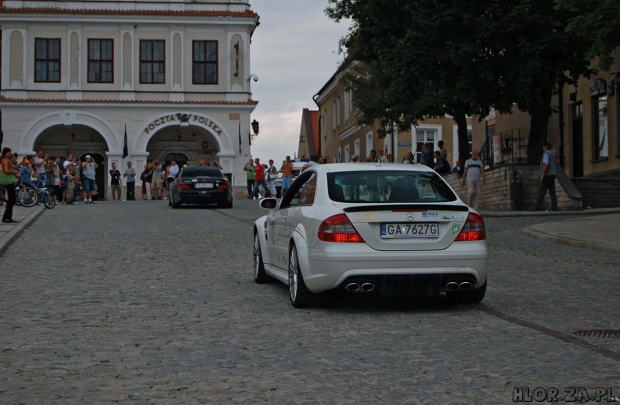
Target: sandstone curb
[(7, 239)]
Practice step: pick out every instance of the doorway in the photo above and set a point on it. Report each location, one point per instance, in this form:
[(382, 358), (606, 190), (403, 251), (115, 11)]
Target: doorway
[(577, 113)]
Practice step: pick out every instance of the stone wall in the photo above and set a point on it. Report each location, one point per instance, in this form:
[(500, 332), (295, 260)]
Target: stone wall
[(497, 194)]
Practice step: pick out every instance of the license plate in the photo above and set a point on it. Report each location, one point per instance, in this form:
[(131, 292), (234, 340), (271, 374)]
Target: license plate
[(204, 185), (410, 230)]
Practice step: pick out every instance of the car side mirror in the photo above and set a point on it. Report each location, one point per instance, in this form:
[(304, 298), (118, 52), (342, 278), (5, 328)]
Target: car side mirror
[(268, 203)]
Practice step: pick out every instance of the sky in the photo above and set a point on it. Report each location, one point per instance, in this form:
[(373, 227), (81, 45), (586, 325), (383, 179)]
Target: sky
[(294, 53)]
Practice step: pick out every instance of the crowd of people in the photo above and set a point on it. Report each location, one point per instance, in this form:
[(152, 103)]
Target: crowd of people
[(261, 178)]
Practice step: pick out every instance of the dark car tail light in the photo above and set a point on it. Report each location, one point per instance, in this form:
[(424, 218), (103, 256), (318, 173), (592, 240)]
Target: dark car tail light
[(473, 229), (339, 228), (183, 185), (224, 186)]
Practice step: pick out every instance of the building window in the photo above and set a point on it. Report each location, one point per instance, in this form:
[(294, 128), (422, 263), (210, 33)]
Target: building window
[(425, 136), (100, 61), (334, 122), (347, 105), (152, 61), (204, 62), (356, 147), (324, 123), (47, 60), (347, 154), (338, 120), (600, 133)]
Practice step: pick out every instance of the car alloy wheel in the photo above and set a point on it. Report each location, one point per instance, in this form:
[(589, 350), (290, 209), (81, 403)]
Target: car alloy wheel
[(299, 294)]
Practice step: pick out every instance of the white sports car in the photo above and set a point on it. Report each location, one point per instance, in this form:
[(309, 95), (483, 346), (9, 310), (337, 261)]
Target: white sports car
[(390, 229)]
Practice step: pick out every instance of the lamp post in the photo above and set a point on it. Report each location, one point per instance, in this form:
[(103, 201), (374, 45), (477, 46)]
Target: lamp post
[(255, 130)]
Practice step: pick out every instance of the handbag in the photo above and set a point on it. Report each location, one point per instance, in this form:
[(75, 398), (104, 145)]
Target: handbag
[(6, 179)]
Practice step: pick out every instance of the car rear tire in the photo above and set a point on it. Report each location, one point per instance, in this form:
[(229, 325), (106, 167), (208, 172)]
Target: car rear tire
[(174, 203), (260, 276), (299, 294), (468, 297), (227, 204)]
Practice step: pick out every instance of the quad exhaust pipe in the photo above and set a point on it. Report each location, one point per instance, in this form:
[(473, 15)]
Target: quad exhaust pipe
[(360, 287), (463, 286)]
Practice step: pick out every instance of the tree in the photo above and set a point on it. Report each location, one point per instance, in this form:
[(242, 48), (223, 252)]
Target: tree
[(431, 58), (598, 22)]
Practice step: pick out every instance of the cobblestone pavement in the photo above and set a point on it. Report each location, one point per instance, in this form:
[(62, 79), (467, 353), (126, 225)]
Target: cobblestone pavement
[(134, 302)]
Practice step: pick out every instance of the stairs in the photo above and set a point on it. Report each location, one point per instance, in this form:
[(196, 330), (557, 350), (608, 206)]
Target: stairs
[(598, 192)]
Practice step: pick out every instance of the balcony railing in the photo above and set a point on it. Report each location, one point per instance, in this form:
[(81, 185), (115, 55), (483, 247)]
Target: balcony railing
[(505, 147)]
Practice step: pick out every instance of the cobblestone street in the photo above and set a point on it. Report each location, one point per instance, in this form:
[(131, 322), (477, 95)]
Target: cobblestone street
[(134, 302)]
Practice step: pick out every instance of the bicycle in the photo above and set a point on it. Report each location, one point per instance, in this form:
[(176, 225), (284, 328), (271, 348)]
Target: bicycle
[(28, 196)]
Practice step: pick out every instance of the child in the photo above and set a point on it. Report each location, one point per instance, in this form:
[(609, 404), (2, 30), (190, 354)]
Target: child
[(70, 182)]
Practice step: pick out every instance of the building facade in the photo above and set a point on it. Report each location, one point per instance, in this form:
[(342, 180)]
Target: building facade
[(584, 129), (342, 136), (129, 81)]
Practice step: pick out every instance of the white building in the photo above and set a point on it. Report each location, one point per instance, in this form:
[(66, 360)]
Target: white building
[(173, 75)]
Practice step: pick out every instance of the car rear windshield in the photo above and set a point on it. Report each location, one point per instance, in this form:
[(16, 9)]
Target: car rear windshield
[(201, 172), (388, 187)]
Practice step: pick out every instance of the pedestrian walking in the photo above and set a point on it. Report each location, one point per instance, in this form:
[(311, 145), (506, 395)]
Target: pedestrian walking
[(441, 164), (272, 175), (259, 180), (115, 182), (474, 173), (70, 182), (442, 151), (157, 181), (250, 170), (88, 171), (547, 178), (146, 177), (130, 173), (7, 179), (372, 157)]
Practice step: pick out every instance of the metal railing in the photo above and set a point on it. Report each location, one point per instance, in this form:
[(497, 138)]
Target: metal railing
[(505, 147)]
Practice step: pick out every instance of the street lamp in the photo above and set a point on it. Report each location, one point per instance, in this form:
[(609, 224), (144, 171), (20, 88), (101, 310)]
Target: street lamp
[(255, 130)]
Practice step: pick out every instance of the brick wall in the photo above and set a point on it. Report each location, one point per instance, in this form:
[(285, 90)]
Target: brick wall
[(496, 194)]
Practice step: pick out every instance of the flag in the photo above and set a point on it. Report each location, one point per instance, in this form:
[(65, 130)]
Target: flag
[(239, 137), (125, 150)]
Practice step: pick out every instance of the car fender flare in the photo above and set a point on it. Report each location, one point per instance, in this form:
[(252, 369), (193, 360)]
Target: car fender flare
[(301, 242), (259, 226)]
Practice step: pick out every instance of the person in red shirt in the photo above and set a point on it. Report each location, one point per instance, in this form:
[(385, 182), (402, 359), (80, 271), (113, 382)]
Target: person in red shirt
[(259, 179)]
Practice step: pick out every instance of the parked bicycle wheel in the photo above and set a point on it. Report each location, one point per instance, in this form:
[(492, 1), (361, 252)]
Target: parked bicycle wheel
[(27, 196), (48, 201)]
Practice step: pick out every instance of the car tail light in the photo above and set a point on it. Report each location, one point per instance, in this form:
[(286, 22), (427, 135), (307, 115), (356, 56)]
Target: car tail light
[(338, 228), (473, 229), (223, 186), (183, 185)]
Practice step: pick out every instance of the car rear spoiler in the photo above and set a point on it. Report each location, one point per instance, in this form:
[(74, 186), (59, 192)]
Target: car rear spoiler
[(407, 207)]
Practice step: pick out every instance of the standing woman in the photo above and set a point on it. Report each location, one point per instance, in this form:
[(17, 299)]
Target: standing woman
[(7, 179)]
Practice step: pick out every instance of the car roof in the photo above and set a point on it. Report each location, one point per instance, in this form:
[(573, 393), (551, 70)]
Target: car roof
[(365, 166)]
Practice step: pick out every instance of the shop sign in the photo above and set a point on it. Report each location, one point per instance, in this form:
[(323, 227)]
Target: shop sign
[(183, 119), (598, 88)]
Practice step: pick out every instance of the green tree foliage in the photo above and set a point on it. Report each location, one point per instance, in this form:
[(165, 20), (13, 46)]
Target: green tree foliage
[(426, 58), (597, 22)]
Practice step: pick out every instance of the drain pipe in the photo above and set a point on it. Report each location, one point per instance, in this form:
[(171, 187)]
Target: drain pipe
[(561, 118)]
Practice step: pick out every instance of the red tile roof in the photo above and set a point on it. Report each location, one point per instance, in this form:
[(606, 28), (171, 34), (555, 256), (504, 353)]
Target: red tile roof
[(63, 101), (169, 13), (314, 122)]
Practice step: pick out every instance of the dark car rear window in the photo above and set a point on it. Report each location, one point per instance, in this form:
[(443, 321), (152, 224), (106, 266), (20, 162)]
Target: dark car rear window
[(388, 187), (201, 172)]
